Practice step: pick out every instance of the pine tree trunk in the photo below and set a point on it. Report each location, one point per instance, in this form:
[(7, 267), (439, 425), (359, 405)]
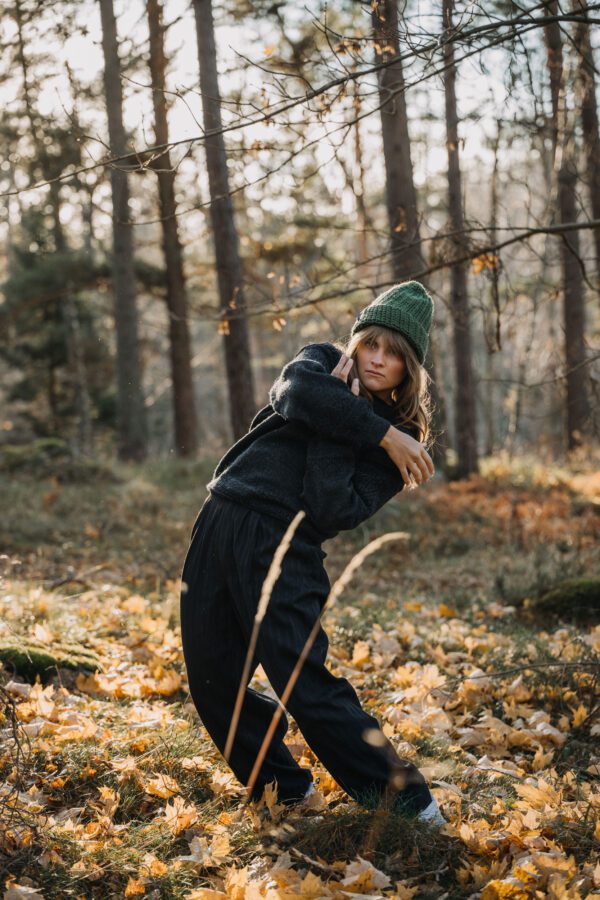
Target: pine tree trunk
[(184, 406), (67, 308), (362, 218), (493, 342), (240, 380), (11, 219), (88, 188), (83, 444), (578, 409), (400, 192), (131, 413), (589, 119), (465, 412), (401, 196)]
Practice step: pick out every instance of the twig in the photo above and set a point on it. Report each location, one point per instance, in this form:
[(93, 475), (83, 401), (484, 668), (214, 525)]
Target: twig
[(320, 867), (10, 811), (433, 873)]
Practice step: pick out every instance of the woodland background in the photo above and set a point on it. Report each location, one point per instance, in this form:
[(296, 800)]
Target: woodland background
[(177, 224), (190, 193)]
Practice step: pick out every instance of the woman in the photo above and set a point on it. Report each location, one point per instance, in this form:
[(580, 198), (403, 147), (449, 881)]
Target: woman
[(339, 451)]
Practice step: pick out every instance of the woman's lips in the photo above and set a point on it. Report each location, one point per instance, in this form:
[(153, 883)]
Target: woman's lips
[(377, 374)]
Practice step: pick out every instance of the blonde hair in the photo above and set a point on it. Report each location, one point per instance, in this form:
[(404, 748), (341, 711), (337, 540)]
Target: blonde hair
[(412, 400)]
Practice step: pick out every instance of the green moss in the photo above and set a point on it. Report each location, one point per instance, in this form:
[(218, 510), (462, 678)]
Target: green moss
[(573, 598), (29, 658)]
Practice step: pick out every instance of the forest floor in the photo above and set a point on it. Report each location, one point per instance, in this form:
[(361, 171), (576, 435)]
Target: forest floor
[(112, 788)]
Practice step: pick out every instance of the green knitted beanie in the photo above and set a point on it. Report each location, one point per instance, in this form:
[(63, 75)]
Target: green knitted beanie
[(406, 308)]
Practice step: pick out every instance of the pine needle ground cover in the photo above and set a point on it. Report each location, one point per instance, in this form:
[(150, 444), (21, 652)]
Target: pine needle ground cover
[(109, 786)]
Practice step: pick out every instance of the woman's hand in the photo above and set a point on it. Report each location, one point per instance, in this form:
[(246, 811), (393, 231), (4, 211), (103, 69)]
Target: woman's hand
[(343, 369), (408, 455)]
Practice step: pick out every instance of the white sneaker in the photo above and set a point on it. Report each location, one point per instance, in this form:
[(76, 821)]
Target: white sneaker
[(432, 814), (311, 790)]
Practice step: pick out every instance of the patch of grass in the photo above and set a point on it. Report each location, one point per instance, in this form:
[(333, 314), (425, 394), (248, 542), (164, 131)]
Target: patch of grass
[(401, 847), (180, 475), (517, 523)]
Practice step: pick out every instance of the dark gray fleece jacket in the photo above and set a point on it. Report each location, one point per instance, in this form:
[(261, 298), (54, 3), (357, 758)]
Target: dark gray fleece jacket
[(315, 447)]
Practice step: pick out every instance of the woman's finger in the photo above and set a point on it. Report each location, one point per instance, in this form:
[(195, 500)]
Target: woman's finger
[(342, 368), (425, 465), (425, 474), (355, 387)]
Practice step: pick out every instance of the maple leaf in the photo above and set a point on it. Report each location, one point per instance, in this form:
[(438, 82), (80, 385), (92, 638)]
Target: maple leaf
[(205, 894), (127, 768), (554, 862), (270, 798), (360, 654), (153, 866), (580, 715), (361, 876), (505, 890), (134, 888), (224, 784), (312, 886), (135, 603), (557, 889), (199, 854), (16, 891), (404, 892), (109, 801), (190, 763), (162, 785), (236, 881), (539, 796), (40, 700), (179, 816), (541, 760)]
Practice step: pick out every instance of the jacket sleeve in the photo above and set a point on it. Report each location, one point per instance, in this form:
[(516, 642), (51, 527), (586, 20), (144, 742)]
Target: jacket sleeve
[(264, 421), (305, 392), (342, 487)]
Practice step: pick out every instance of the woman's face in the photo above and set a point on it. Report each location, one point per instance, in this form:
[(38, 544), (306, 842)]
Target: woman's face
[(379, 369)]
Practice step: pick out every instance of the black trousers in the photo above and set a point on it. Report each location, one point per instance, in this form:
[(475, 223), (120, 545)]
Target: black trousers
[(227, 561)]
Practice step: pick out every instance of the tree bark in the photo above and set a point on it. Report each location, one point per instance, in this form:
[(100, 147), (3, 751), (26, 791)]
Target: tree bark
[(589, 119), (401, 196), (82, 441), (359, 192), (131, 413), (240, 380), (184, 405), (492, 343), (400, 192), (577, 401), (465, 411)]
